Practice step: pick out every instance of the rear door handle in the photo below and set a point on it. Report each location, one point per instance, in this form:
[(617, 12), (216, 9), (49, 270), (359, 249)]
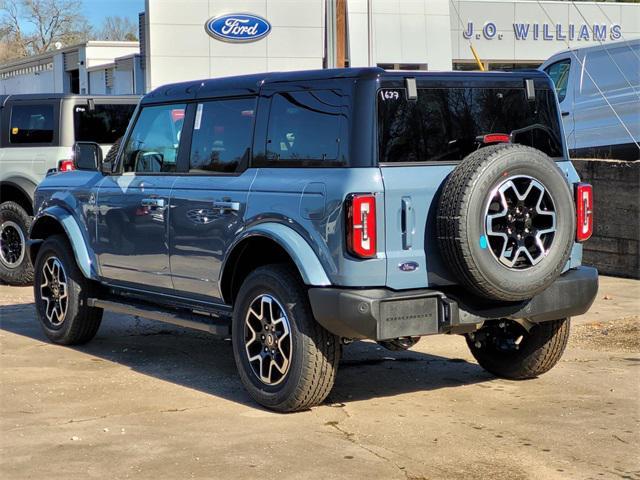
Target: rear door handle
[(407, 223), (566, 114), (224, 206), (153, 202)]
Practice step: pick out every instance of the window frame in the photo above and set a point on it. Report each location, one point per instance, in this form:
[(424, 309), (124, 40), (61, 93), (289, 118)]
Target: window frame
[(263, 119), (566, 91), (7, 117), (189, 114), (184, 164)]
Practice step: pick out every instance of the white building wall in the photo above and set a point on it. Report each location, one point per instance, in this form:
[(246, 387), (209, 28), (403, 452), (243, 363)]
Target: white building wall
[(178, 48), (103, 53), (403, 31), (558, 16), (97, 82), (123, 82), (30, 83)]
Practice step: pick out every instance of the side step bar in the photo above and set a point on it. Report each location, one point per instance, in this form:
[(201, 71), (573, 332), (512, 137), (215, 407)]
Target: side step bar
[(186, 319)]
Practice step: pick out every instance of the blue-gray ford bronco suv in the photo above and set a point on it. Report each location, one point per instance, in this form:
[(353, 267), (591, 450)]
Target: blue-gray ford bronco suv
[(296, 212)]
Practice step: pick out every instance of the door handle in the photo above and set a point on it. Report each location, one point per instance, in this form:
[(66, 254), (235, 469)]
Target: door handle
[(224, 206), (153, 202), (566, 114), (407, 223)]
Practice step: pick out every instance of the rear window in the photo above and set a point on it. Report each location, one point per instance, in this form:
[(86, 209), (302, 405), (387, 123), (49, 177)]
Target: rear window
[(447, 124), (104, 124), (31, 124)]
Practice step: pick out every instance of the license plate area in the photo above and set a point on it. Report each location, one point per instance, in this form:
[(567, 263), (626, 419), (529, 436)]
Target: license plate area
[(412, 317)]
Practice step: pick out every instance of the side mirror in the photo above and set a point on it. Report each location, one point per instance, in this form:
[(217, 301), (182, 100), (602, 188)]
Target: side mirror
[(87, 156)]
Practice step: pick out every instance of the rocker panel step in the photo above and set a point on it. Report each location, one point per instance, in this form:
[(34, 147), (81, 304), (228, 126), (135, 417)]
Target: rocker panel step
[(180, 319)]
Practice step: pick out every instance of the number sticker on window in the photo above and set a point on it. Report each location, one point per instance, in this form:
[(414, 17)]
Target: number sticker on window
[(390, 95)]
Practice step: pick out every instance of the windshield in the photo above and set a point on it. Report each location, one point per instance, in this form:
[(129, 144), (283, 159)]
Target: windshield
[(447, 124), (104, 124)]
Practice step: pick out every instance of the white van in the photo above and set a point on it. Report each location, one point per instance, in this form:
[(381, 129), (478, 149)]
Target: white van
[(599, 93)]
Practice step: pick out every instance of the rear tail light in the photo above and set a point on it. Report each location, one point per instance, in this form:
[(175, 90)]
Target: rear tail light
[(584, 211), (494, 138), (361, 225), (66, 165)]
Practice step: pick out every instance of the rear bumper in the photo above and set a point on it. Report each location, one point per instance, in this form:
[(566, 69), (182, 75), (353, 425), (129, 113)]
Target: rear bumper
[(382, 314)]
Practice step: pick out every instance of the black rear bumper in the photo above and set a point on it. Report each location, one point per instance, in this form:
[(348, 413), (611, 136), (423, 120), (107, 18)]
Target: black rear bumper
[(381, 314)]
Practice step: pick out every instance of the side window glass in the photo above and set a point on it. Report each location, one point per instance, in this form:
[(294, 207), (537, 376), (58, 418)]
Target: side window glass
[(304, 129), (559, 73), (153, 144), (31, 124), (222, 135)]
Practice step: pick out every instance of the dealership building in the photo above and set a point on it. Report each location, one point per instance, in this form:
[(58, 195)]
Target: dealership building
[(192, 39)]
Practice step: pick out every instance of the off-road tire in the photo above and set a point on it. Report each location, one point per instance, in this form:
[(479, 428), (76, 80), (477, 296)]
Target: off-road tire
[(315, 351), (81, 322), (540, 350), (21, 274), (461, 215)]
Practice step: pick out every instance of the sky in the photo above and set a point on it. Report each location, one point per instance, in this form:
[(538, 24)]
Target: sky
[(97, 10)]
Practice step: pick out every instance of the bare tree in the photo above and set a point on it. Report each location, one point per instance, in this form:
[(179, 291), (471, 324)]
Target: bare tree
[(30, 27), (118, 28)]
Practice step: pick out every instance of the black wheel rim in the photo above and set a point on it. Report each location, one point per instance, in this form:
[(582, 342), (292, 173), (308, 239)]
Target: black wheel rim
[(520, 222), (267, 340), (12, 244), (54, 292)]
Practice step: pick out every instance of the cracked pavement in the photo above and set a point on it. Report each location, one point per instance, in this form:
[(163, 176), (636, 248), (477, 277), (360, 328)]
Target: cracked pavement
[(147, 400)]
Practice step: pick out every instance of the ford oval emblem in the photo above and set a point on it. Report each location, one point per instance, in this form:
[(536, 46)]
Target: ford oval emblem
[(238, 27), (408, 266)]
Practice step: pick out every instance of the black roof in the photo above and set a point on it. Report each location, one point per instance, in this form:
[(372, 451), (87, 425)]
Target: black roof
[(60, 96), (251, 84)]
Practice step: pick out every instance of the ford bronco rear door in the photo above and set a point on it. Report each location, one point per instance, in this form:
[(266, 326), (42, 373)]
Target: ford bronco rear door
[(421, 140)]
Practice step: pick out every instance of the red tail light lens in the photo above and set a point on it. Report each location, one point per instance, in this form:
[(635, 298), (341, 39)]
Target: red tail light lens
[(66, 166), (495, 138), (361, 225), (584, 211)]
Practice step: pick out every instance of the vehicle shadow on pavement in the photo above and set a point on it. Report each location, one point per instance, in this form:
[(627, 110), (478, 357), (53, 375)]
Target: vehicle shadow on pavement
[(205, 363)]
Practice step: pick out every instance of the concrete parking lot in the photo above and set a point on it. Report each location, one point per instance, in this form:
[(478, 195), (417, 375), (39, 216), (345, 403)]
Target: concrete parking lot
[(146, 400)]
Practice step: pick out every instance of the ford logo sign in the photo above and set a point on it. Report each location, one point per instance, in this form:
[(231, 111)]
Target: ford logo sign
[(238, 27)]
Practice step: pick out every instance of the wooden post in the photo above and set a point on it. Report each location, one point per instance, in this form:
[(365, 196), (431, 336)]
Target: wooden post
[(341, 33)]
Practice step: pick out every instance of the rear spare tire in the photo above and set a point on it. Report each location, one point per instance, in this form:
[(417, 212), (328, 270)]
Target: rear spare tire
[(506, 222)]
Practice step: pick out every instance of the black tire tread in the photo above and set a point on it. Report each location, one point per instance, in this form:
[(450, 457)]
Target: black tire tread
[(23, 275), (541, 352), (452, 233), (322, 347), (85, 321)]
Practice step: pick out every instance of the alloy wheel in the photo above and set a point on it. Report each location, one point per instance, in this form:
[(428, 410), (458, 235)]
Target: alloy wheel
[(520, 222), (12, 244), (267, 338), (54, 291)]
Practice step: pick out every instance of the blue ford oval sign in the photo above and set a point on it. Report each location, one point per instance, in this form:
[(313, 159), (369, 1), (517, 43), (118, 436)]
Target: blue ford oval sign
[(238, 27)]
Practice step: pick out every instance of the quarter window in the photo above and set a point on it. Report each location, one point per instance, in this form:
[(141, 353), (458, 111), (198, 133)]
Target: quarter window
[(222, 134), (31, 124), (559, 73), (103, 124), (304, 129), (153, 144)]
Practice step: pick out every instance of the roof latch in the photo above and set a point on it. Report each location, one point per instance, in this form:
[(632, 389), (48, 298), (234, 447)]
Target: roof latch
[(412, 88), (530, 87)]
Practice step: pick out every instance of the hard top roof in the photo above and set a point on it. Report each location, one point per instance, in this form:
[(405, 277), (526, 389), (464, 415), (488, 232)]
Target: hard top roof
[(61, 96), (251, 84)]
